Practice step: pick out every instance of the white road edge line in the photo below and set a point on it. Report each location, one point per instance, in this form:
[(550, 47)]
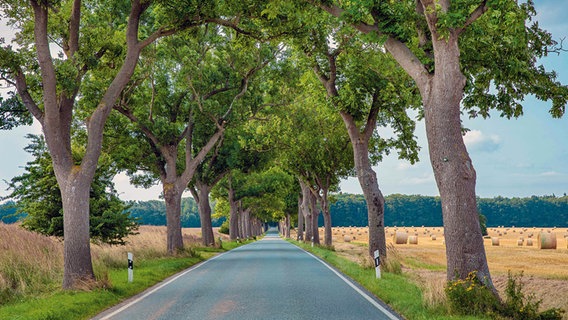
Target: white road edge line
[(131, 303), (359, 291)]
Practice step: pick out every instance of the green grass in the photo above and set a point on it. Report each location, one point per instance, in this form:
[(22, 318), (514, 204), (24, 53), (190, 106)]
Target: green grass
[(397, 290), (60, 304)]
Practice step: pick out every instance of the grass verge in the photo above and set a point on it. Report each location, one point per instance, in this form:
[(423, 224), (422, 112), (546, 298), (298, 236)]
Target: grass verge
[(397, 290), (60, 304)]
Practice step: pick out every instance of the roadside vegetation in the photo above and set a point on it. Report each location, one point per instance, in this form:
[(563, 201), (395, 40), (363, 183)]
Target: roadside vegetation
[(414, 283), (31, 271)]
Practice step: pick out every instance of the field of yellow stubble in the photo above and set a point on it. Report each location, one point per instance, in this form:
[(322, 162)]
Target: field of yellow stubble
[(545, 272)]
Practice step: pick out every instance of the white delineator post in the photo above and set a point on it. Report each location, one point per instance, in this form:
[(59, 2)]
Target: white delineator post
[(130, 267), (377, 264)]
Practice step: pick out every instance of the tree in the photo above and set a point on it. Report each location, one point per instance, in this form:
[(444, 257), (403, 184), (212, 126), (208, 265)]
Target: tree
[(315, 147), (194, 82), (39, 198), (449, 49), (100, 36), (361, 84)]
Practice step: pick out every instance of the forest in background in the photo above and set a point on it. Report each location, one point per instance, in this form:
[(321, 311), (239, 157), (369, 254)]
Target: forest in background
[(400, 210)]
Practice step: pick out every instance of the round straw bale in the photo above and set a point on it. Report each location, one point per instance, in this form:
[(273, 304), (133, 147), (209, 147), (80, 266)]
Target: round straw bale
[(400, 237), (529, 243), (494, 241), (433, 237), (546, 240), (347, 239), (520, 242), (413, 240)]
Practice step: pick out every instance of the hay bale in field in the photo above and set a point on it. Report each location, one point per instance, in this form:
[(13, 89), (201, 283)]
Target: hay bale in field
[(520, 242), (433, 237), (529, 243), (347, 239), (413, 240), (400, 237), (546, 240), (494, 241)]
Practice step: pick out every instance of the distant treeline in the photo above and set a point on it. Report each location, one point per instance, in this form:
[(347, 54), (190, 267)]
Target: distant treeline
[(416, 210), (400, 210), (151, 212)]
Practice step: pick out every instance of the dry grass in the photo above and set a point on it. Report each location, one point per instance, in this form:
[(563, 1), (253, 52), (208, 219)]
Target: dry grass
[(27, 261), (545, 271), (31, 263)]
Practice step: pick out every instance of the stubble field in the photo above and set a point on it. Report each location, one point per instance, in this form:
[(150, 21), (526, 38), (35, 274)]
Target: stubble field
[(545, 272)]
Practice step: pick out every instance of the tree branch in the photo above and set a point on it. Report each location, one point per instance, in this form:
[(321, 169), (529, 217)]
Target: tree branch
[(476, 14), (22, 87), (74, 23)]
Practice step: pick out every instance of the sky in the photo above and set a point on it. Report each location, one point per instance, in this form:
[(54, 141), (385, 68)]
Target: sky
[(513, 158)]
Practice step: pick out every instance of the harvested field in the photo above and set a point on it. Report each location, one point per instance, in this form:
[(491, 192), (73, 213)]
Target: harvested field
[(545, 271)]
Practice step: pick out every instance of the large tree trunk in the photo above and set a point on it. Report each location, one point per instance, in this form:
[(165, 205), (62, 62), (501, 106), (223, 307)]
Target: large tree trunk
[(300, 219), (287, 226), (172, 197), (241, 222), (326, 217), (306, 198), (233, 214), (453, 168), (201, 196), (247, 223), (315, 215), (78, 266), (370, 186)]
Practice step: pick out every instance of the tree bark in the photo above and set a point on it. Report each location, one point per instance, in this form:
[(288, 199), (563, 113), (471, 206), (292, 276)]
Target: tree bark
[(453, 169), (172, 197), (247, 223), (287, 226), (369, 184), (201, 196), (315, 215), (78, 266), (300, 219), (241, 220), (305, 207), (233, 213), (328, 241)]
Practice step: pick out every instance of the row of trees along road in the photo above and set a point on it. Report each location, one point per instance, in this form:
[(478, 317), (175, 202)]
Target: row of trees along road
[(210, 95)]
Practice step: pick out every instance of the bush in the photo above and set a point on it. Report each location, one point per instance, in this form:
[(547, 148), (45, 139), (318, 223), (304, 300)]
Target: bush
[(519, 306), (224, 228), (471, 296)]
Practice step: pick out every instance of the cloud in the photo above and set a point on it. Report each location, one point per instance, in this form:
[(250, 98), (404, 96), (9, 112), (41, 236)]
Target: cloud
[(476, 140), (426, 178), (550, 174)]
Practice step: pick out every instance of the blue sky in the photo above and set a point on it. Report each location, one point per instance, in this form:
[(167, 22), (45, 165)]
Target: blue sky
[(513, 158)]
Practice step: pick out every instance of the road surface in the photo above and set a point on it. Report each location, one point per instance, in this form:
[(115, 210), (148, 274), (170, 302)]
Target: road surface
[(267, 279)]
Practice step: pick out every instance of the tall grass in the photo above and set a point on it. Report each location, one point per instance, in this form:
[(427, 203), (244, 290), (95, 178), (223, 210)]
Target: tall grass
[(32, 264), (29, 263)]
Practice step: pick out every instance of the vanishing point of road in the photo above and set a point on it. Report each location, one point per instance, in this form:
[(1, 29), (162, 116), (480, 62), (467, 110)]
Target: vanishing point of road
[(267, 279)]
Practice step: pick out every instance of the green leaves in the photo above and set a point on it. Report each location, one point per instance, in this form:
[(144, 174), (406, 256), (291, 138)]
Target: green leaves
[(13, 113), (38, 195), (500, 55)]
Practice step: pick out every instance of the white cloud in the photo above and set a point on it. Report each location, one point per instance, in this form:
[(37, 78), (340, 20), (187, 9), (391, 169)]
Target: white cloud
[(403, 166), (476, 140), (426, 178), (551, 174)]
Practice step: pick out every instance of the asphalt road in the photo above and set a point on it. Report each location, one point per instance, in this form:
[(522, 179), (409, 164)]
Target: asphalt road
[(268, 279)]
